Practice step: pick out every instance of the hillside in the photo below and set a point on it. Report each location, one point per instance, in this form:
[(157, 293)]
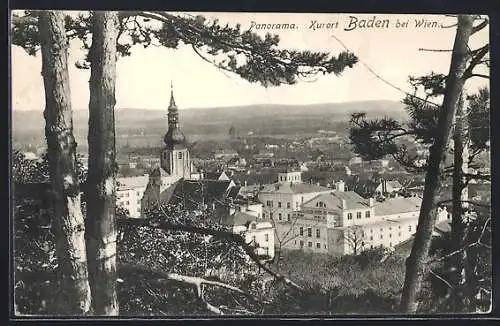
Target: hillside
[(146, 125)]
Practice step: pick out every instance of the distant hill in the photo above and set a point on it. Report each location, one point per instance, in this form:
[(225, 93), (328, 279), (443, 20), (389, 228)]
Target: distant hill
[(264, 119)]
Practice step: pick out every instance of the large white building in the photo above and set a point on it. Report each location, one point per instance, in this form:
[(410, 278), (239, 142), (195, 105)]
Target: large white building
[(283, 198), (342, 222)]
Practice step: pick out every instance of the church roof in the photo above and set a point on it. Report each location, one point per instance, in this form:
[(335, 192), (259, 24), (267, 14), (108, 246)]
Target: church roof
[(196, 192)]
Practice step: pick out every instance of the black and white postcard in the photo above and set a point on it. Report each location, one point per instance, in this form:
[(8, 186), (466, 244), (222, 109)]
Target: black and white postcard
[(208, 164)]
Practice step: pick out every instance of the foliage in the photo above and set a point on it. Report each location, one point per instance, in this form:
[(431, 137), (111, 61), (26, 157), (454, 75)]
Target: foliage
[(378, 138), (37, 171), (252, 57), (475, 294)]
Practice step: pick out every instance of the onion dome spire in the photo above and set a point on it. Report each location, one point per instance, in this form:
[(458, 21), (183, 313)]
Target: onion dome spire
[(174, 135)]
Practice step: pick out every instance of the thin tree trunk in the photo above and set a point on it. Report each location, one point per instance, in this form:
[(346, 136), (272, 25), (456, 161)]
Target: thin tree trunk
[(416, 262), (68, 217), (459, 194), (101, 181)]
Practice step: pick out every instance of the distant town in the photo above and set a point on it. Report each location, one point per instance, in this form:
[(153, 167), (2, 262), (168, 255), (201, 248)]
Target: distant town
[(309, 192)]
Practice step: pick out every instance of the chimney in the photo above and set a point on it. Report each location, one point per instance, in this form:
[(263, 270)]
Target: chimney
[(371, 202), (340, 186), (344, 204)]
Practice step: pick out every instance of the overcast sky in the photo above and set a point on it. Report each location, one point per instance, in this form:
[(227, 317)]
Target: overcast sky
[(143, 79)]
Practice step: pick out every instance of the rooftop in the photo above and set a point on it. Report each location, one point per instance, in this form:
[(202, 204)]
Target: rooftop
[(133, 182), (293, 188), (334, 200), (241, 218), (398, 205)]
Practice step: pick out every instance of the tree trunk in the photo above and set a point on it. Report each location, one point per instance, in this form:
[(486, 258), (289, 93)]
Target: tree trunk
[(61, 148), (416, 262), (459, 194), (101, 180)]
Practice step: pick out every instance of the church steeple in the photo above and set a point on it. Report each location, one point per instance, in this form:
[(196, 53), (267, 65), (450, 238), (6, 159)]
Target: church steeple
[(174, 136), (173, 113)]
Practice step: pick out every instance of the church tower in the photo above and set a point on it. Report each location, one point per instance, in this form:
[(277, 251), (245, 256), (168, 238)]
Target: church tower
[(175, 156)]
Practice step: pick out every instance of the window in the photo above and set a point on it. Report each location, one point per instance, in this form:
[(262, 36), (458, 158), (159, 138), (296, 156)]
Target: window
[(269, 203), (301, 243), (279, 204), (253, 226), (399, 227), (409, 228), (371, 230), (317, 233), (390, 228), (279, 216), (138, 209), (297, 205), (138, 193), (325, 245), (253, 239), (267, 237), (288, 216), (381, 230), (179, 156), (301, 230), (349, 216), (381, 236), (358, 215), (288, 205), (371, 237), (390, 244), (270, 215), (127, 203), (310, 244), (309, 232), (126, 194), (399, 234), (318, 245), (390, 235), (367, 214)]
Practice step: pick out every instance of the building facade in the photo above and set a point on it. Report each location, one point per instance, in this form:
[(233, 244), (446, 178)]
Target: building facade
[(283, 198), (342, 222)]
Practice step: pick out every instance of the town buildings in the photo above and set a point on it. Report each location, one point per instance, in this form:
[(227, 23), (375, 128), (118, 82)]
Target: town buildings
[(173, 182), (342, 222)]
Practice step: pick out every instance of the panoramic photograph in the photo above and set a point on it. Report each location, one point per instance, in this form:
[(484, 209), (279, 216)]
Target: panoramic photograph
[(210, 164)]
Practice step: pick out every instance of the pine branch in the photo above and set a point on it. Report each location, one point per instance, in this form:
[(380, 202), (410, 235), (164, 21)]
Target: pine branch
[(480, 75), (479, 27), (477, 56), (197, 282), (236, 238)]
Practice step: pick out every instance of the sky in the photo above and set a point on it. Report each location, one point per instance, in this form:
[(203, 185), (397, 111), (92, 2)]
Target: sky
[(143, 79)]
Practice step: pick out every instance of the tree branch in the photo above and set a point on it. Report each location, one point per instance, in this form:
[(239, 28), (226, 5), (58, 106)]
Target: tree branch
[(480, 75), (479, 27), (477, 56), (236, 238)]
